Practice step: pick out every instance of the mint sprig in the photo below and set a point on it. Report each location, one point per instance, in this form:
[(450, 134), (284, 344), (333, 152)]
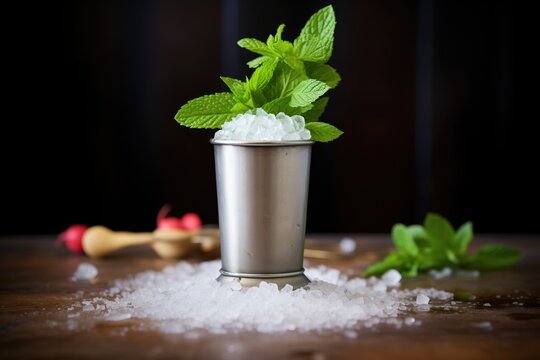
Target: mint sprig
[(289, 77), (436, 245)]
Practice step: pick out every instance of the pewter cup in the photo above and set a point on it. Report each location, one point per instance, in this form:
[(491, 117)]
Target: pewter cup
[(262, 190)]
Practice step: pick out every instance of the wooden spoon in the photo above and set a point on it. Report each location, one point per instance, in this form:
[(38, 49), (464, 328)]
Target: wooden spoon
[(99, 241)]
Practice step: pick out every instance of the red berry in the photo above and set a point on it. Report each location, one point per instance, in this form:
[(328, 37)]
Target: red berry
[(191, 221), (73, 236), (169, 223)]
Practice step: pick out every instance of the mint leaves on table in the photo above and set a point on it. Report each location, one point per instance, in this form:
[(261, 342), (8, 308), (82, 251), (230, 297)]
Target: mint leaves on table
[(436, 245), (288, 77)]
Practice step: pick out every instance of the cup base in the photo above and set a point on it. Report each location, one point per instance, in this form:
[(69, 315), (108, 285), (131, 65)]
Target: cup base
[(296, 280)]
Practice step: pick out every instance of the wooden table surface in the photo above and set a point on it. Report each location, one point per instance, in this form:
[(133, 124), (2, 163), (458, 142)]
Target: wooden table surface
[(35, 292)]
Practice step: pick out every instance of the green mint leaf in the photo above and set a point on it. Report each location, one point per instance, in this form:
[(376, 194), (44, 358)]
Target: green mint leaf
[(324, 73), (316, 111), (284, 81), (240, 108), (307, 92), (323, 132), (492, 257), (207, 112), (279, 32), (310, 50), (237, 87), (419, 234), (440, 231), (316, 39), (427, 260), (257, 61), (287, 77), (464, 236), (404, 240), (262, 75), (282, 105), (282, 48), (411, 270), (391, 261), (256, 46), (295, 64)]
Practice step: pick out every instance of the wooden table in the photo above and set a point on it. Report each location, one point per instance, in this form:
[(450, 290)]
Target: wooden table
[(35, 292)]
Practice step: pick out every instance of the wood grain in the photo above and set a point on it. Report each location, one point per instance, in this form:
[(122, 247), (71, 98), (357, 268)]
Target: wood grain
[(35, 292)]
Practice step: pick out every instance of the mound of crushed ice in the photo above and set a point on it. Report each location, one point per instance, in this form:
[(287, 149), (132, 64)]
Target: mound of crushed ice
[(186, 298), (258, 125)]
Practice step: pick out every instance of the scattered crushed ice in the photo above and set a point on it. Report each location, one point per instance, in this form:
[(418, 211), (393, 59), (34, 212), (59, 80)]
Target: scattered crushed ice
[(347, 245), (422, 299), (409, 321), (472, 274), (484, 325), (85, 271), (487, 304), (186, 299), (261, 126), (444, 273), (391, 278)]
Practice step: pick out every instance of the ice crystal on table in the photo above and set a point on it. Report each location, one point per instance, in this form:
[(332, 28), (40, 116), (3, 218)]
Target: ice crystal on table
[(347, 245), (186, 299), (422, 299), (85, 271)]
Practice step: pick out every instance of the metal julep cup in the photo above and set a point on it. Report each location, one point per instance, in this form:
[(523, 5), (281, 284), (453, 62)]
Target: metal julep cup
[(262, 190)]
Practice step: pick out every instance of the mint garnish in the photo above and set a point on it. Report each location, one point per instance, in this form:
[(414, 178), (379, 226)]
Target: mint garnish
[(436, 245), (289, 77)]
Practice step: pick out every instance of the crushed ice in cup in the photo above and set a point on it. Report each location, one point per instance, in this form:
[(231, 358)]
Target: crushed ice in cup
[(258, 125), (186, 299), (85, 271)]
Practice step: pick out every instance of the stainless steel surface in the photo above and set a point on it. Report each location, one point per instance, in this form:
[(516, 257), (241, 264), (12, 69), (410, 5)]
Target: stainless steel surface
[(262, 201), (296, 281)]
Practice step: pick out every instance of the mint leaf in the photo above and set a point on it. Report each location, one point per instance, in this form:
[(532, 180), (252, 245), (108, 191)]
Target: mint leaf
[(255, 46), (310, 50), (464, 236), (281, 47), (284, 81), (237, 87), (207, 112), (282, 105), (404, 241), (239, 108), (440, 232), (492, 257), (324, 73), (288, 77), (318, 108), (307, 92), (262, 75), (279, 32), (391, 261), (323, 132), (316, 39), (435, 246), (419, 234), (411, 270), (257, 61)]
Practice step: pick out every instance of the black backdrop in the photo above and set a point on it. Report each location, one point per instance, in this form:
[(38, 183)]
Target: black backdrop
[(432, 102)]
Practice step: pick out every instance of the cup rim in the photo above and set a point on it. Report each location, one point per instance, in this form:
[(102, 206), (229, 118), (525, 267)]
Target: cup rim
[(262, 143)]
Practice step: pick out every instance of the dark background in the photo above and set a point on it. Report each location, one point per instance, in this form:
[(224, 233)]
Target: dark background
[(433, 102)]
